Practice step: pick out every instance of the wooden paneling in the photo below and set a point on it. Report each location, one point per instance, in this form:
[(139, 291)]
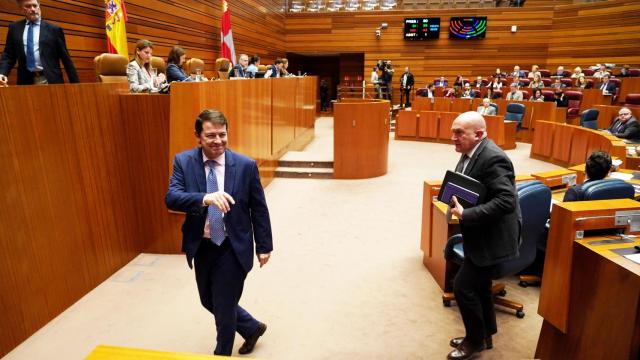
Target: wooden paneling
[(406, 123), (360, 139), (89, 168), (67, 213), (258, 28)]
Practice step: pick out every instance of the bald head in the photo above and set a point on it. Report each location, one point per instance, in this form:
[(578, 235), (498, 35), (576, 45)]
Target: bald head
[(467, 130)]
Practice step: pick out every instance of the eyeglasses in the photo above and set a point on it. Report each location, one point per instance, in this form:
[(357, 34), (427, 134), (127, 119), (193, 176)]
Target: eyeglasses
[(624, 114)]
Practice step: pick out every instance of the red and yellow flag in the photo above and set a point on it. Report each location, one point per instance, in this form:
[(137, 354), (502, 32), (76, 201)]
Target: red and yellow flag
[(226, 36), (115, 19)]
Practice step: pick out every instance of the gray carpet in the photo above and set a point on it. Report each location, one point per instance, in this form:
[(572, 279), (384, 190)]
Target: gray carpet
[(345, 281)]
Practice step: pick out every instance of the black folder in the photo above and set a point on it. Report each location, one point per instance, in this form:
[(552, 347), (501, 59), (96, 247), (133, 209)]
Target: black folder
[(467, 190)]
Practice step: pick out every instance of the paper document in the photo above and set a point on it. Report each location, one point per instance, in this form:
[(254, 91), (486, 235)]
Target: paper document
[(634, 257), (621, 176)]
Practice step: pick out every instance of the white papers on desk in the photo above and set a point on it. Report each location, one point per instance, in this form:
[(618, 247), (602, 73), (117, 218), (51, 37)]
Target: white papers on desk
[(634, 257), (621, 176)]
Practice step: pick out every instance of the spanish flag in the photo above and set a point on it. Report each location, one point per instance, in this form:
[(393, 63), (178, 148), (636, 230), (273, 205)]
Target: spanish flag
[(115, 19)]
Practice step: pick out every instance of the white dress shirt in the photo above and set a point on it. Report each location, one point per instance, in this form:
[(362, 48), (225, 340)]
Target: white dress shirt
[(36, 41)]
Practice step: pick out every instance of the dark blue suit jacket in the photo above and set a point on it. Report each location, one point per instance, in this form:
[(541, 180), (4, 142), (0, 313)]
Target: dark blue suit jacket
[(247, 219), (53, 49)]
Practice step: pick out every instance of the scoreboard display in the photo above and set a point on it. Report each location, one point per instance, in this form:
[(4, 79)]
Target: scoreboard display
[(421, 28)]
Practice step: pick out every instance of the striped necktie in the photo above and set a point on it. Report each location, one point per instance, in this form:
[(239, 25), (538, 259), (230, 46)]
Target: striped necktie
[(216, 223), (31, 53)]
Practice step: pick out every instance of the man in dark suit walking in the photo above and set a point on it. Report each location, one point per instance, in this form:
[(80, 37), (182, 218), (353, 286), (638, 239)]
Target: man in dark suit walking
[(220, 192), (38, 47), (406, 85), (490, 231)]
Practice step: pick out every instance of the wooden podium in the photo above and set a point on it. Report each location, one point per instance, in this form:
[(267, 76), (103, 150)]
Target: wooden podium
[(360, 139), (590, 295)]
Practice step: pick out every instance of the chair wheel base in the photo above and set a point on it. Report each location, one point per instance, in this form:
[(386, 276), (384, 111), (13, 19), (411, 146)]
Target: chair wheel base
[(523, 284), (519, 314)]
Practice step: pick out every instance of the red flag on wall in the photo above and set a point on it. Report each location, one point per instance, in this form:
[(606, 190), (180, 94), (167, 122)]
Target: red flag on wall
[(226, 36)]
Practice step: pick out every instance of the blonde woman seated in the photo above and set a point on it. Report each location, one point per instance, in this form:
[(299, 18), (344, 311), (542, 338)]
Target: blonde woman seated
[(536, 83), (139, 71), (577, 72), (581, 83), (537, 96), (535, 70)]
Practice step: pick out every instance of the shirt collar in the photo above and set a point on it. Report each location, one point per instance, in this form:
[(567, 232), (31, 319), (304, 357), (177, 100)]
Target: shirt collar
[(219, 160), (473, 151), (37, 22)]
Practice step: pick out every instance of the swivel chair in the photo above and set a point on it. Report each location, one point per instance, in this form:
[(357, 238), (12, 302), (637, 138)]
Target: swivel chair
[(606, 189), (111, 68), (515, 112), (632, 100), (589, 119), (535, 200), (575, 98), (191, 65), (158, 63), (223, 66)]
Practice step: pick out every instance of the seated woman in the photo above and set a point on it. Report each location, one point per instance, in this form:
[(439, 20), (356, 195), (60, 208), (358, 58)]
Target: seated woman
[(283, 69), (581, 83), (139, 72), (537, 96), (597, 167), (535, 70), (254, 62), (175, 60), (459, 83), (577, 72), (536, 83)]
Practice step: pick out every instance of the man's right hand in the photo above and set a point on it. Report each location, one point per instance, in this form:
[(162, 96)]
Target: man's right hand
[(220, 199), (3, 80)]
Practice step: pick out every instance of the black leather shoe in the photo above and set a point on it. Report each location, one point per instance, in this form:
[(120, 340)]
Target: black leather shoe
[(250, 342), (455, 342), (464, 351)]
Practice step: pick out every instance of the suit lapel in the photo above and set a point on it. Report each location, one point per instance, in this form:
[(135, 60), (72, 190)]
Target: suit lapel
[(43, 38), (19, 33), (198, 165), (229, 172), (474, 158)]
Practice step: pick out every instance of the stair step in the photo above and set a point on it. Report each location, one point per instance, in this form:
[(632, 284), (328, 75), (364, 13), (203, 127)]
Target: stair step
[(306, 164), (304, 173)]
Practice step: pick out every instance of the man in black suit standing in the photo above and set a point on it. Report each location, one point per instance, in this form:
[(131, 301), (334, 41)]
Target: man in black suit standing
[(625, 126), (38, 47), (406, 85), (490, 230)]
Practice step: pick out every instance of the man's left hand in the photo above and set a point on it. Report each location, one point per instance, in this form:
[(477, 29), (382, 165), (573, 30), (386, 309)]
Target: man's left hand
[(456, 209), (263, 258)]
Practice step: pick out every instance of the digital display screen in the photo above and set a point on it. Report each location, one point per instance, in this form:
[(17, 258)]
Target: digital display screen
[(421, 28), (469, 27)]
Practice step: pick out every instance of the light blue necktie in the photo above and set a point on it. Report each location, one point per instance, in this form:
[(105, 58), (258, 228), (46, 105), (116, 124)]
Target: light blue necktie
[(216, 223), (31, 54)]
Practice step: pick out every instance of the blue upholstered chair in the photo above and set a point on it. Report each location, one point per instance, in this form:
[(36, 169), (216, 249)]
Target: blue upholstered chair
[(589, 118), (515, 112), (608, 189), (535, 202)]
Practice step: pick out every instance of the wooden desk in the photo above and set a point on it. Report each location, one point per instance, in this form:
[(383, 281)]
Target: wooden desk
[(422, 104), (590, 301), (360, 139), (571, 145), (557, 178), (630, 85), (593, 97)]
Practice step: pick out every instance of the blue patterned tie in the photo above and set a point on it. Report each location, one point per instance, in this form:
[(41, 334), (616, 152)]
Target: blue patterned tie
[(31, 54), (216, 224)]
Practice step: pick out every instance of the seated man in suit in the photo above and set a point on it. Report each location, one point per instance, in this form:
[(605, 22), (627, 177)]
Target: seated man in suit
[(515, 94), (597, 167), (478, 84), (560, 99), (486, 108), (38, 47), (559, 72), (274, 70), (240, 69), (467, 93), (602, 71), (557, 84), (607, 87), (429, 92), (516, 72), (442, 82), (625, 126)]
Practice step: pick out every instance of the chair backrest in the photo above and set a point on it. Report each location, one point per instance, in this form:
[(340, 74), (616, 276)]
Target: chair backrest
[(632, 100), (525, 82), (495, 106), (589, 118), (535, 205), (544, 73), (497, 94), (476, 93), (525, 95), (607, 189), (223, 66), (567, 82), (634, 72), (548, 95), (587, 72), (547, 82), (262, 67), (111, 68), (574, 97), (158, 63), (616, 81), (192, 64), (515, 112)]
